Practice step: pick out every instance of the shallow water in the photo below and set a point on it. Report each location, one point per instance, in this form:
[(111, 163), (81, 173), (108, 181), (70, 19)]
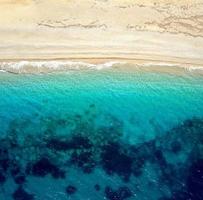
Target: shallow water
[(108, 134)]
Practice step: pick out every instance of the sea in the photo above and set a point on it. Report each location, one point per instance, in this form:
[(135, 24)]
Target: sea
[(103, 132)]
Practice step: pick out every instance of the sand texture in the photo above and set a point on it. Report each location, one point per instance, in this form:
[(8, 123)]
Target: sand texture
[(147, 30)]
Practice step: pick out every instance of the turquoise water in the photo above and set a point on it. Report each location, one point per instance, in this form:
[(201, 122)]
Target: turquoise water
[(107, 134)]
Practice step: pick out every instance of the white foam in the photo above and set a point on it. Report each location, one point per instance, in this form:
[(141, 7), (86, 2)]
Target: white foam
[(56, 65), (194, 68), (160, 64), (189, 68), (49, 66)]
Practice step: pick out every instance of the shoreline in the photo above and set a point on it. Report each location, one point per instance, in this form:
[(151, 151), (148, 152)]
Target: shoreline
[(103, 59), (37, 66)]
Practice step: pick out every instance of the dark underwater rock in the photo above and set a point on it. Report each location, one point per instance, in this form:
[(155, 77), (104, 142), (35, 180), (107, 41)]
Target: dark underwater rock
[(2, 178), (20, 179), (83, 160), (76, 142), (58, 145), (175, 147), (115, 161), (124, 192), (3, 150), (121, 194), (190, 131), (195, 180), (111, 194), (139, 156), (169, 175), (92, 105), (21, 194), (159, 157), (15, 169), (70, 189), (4, 164), (97, 187), (4, 158), (44, 167)]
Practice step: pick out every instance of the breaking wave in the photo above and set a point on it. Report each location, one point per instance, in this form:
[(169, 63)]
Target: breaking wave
[(57, 66), (51, 66)]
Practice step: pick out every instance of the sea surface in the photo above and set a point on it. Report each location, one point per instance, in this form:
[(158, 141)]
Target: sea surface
[(94, 134)]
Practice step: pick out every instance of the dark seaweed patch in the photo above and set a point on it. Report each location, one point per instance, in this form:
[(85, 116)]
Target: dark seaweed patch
[(84, 149), (4, 159), (115, 161), (195, 180), (191, 129), (76, 142), (139, 157), (21, 194), (15, 169), (3, 151), (20, 179), (77, 116), (70, 189), (97, 187), (2, 178), (4, 164), (83, 160), (169, 175), (160, 158), (58, 145), (175, 147), (92, 105), (120, 194), (44, 167)]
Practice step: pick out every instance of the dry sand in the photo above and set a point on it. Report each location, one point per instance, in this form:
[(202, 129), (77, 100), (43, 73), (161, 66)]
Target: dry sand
[(158, 31)]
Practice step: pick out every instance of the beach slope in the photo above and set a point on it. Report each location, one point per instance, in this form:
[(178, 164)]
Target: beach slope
[(139, 31)]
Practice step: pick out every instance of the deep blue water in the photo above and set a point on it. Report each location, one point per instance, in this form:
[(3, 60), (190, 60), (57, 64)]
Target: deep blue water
[(108, 134)]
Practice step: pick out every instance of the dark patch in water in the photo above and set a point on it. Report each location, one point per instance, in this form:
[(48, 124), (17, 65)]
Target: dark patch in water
[(58, 145), (158, 155), (20, 179), (83, 160), (83, 149), (2, 178), (78, 116), (115, 161), (169, 175), (70, 189), (195, 180), (76, 142), (44, 167), (4, 159), (15, 169), (92, 105), (175, 147), (97, 187), (139, 156), (4, 164), (21, 194), (121, 194)]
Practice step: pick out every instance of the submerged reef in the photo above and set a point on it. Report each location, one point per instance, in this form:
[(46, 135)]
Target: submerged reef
[(44, 167), (71, 190), (121, 194), (114, 160), (171, 165), (21, 194)]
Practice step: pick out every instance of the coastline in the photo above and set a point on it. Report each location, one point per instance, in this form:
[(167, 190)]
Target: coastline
[(36, 66)]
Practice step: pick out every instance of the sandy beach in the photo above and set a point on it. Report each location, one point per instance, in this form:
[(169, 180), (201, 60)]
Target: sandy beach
[(101, 99), (96, 31)]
